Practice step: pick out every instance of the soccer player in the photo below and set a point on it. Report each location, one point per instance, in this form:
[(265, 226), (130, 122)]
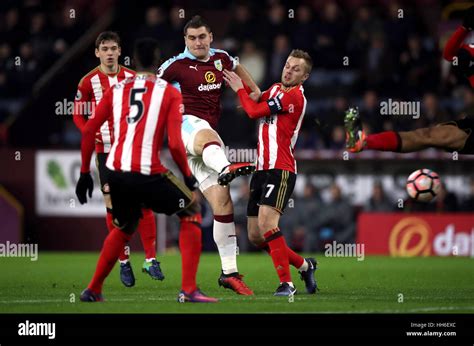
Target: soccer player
[(451, 136), (142, 108), (90, 91), (198, 74), (280, 112), (457, 48)]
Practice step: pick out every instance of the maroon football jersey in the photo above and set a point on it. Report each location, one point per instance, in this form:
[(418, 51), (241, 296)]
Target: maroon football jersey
[(200, 83)]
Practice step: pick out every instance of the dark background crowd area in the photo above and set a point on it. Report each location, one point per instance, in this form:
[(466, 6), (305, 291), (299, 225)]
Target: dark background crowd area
[(363, 53)]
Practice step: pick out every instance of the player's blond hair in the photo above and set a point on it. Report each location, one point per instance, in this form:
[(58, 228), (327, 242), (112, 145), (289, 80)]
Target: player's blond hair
[(298, 53)]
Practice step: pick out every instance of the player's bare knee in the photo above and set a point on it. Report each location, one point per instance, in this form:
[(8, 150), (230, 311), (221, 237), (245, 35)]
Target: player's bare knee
[(256, 238), (223, 203), (424, 135), (202, 137), (265, 224), (451, 137)]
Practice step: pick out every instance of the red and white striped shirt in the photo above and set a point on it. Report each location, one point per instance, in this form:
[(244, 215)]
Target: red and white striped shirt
[(281, 112), (141, 109), (90, 91)]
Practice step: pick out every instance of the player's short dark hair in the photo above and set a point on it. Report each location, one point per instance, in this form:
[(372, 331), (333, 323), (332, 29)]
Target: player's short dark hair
[(146, 53), (107, 36), (194, 23), (298, 53)]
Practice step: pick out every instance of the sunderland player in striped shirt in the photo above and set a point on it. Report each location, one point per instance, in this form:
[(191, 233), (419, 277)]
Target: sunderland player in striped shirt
[(90, 91), (198, 74), (280, 112), (451, 136), (143, 108)]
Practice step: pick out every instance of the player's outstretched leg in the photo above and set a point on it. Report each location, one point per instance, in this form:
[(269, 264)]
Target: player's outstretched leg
[(208, 144), (126, 272), (190, 245), (305, 266), (448, 136), (233, 171), (147, 230), (113, 246), (226, 239)]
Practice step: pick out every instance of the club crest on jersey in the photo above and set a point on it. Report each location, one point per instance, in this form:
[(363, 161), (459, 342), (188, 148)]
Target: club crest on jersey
[(218, 64)]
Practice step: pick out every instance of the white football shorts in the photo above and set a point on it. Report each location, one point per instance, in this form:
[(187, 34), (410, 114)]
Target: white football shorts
[(205, 176)]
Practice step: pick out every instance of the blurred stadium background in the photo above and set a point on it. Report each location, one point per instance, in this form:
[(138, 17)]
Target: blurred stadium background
[(47, 46)]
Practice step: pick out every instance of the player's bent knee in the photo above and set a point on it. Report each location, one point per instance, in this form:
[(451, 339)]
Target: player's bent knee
[(256, 238), (265, 224), (202, 137), (424, 135), (451, 137)]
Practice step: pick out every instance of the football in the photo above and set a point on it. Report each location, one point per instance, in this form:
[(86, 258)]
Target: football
[(423, 185)]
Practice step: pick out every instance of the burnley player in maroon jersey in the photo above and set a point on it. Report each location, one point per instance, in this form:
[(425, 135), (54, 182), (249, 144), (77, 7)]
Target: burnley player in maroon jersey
[(90, 91), (143, 108), (280, 112), (451, 136), (198, 74)]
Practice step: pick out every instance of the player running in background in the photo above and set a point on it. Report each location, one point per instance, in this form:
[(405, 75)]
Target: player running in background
[(90, 91), (452, 136), (143, 108), (280, 112), (198, 74)]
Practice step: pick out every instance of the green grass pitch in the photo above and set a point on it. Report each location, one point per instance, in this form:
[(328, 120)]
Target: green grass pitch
[(377, 284)]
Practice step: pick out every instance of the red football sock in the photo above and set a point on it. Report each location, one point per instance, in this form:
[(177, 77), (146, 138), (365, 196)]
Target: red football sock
[(190, 244), (111, 249), (279, 253), (294, 259), (124, 255), (384, 141), (147, 230)]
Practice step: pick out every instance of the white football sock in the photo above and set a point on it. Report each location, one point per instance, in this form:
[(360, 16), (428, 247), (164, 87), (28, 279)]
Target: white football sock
[(226, 241), (304, 267), (214, 157)]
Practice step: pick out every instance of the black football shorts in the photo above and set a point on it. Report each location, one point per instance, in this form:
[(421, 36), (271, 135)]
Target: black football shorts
[(271, 187)]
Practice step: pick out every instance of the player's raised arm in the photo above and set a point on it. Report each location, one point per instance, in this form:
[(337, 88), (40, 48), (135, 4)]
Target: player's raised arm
[(248, 81), (174, 120), (456, 40), (253, 109)]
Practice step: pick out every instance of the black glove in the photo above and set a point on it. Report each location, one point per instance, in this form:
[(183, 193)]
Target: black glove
[(468, 20), (83, 185), (191, 182)]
